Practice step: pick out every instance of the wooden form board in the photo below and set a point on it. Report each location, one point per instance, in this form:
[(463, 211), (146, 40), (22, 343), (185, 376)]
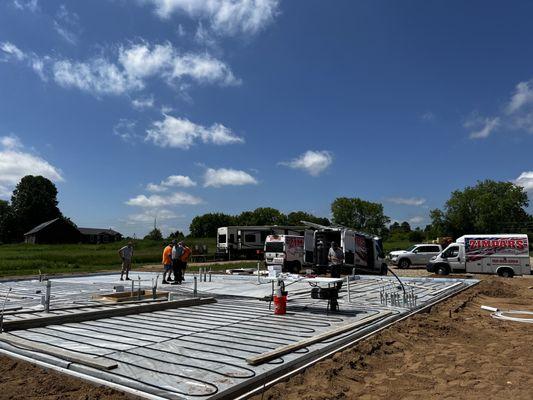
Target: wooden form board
[(40, 321), (94, 362), (272, 355)]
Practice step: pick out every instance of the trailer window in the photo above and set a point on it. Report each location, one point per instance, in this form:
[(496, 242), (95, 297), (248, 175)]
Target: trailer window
[(232, 238), (248, 238), (221, 238), (274, 247)]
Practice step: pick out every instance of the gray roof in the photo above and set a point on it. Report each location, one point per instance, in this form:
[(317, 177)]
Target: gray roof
[(41, 227), (98, 231)]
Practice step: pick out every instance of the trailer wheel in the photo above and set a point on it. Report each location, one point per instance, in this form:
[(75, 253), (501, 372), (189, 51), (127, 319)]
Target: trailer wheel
[(441, 270), (404, 263), (506, 272)]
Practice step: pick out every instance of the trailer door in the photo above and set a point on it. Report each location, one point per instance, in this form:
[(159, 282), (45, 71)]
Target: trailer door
[(309, 246), (348, 244)]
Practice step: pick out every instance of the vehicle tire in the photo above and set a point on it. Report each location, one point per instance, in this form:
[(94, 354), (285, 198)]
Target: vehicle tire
[(441, 270), (506, 273), (295, 267), (404, 263), (384, 269)]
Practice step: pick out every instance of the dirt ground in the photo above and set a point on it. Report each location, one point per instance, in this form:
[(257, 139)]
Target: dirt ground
[(457, 351)]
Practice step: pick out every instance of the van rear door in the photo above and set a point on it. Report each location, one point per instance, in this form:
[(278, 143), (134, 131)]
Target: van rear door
[(348, 244), (309, 246)]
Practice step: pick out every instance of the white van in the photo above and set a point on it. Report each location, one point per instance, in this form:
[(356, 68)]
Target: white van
[(362, 251), (285, 250), (506, 255)]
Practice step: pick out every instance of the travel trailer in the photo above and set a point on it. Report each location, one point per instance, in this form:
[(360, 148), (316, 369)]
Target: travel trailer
[(248, 241), (506, 255)]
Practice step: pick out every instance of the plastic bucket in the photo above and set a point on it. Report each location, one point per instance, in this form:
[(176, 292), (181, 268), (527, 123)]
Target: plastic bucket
[(280, 305)]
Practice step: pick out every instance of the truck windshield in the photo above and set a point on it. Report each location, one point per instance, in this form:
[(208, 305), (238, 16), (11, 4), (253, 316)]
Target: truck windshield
[(274, 247)]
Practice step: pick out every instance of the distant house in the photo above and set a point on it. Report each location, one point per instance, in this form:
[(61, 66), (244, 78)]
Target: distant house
[(97, 235), (57, 230)]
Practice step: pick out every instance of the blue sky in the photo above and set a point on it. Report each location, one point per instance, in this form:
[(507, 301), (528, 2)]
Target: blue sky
[(178, 107)]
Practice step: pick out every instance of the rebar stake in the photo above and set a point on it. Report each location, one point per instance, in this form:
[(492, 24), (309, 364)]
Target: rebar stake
[(47, 296), (195, 287)]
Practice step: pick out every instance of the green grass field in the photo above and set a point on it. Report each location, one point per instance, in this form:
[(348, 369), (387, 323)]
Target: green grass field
[(28, 259)]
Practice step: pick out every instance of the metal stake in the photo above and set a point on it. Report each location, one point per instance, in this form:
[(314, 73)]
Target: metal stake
[(195, 287), (47, 296), (348, 288)]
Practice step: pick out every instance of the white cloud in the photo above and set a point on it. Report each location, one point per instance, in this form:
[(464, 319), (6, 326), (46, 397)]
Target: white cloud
[(525, 180), (129, 72), (16, 163), (142, 103), (30, 5), (227, 177), (408, 201), (225, 16), (155, 200), (427, 116), (313, 162), (416, 220), (148, 216), (182, 133), (66, 24), (171, 181), (522, 96), (481, 127), (10, 50)]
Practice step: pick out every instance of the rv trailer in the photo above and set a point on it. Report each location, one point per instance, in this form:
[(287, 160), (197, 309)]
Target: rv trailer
[(248, 241)]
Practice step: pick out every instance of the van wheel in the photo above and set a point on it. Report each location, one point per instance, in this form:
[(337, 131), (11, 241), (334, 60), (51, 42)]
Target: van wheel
[(441, 270), (404, 263), (506, 273)]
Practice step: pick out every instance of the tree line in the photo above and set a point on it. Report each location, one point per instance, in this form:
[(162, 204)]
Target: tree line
[(487, 207)]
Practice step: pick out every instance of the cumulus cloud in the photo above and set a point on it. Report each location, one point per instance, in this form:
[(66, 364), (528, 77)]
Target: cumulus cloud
[(157, 201), (525, 180), (171, 181), (228, 17), (148, 216), (416, 220), (16, 163), (227, 177), (182, 133), (408, 201), (313, 162), (128, 70), (125, 129), (522, 96)]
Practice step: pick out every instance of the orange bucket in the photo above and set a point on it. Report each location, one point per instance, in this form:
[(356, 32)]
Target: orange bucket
[(280, 305)]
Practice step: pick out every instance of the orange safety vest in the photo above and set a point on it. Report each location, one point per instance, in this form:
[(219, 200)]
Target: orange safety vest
[(185, 254), (167, 255)]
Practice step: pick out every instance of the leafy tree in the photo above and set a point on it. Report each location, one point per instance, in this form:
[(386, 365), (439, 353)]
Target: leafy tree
[(488, 207), (405, 227), (178, 235), (416, 235), (359, 214), (34, 201), (262, 216), (296, 218), (206, 225), (395, 227), (7, 222), (155, 234)]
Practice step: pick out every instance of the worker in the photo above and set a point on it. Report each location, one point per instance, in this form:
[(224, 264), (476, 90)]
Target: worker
[(336, 259), (185, 254), (167, 262), (177, 251), (126, 254)]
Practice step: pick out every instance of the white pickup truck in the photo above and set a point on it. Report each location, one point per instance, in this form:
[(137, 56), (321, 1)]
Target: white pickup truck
[(418, 254)]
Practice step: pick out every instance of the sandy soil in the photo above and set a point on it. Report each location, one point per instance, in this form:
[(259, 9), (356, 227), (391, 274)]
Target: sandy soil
[(457, 351)]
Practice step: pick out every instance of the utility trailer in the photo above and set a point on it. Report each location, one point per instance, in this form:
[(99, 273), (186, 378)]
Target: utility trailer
[(503, 254), (235, 242), (362, 251)]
